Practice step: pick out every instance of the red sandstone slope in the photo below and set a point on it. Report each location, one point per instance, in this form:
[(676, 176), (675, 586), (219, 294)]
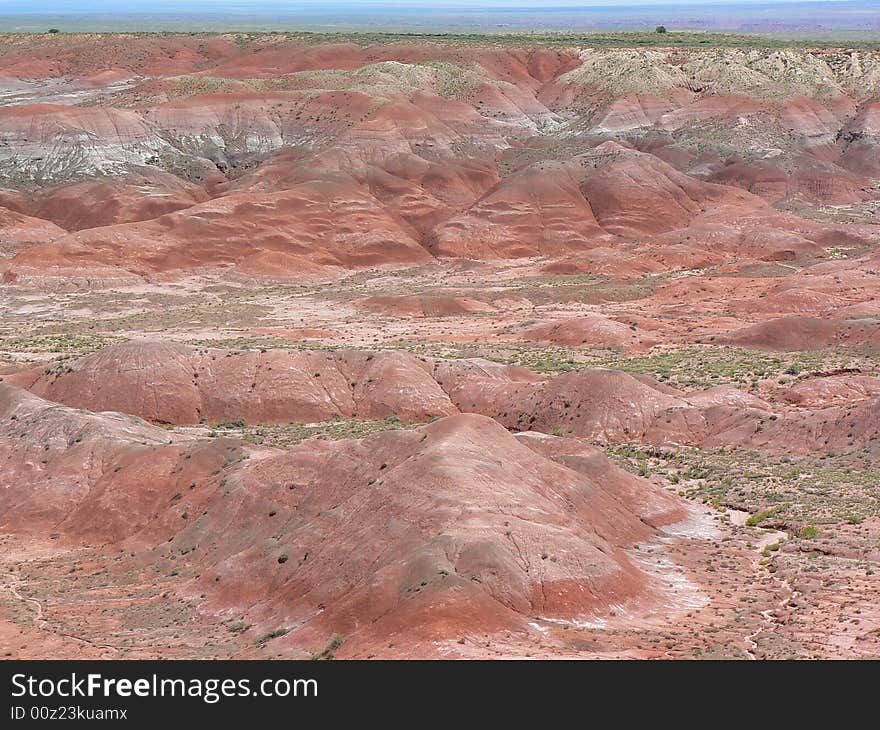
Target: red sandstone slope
[(19, 231), (596, 331), (145, 194), (422, 192), (426, 535), (185, 385), (616, 407), (558, 208), (804, 333), (863, 137), (180, 384), (293, 232), (537, 212)]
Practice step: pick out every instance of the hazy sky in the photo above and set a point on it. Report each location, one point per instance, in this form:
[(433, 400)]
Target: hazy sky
[(75, 6)]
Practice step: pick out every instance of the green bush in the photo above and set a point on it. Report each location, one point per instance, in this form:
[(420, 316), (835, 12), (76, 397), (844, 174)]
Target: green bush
[(758, 518)]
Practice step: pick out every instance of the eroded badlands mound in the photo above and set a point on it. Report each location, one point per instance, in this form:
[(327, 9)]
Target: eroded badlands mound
[(452, 528), (283, 156), (315, 346)]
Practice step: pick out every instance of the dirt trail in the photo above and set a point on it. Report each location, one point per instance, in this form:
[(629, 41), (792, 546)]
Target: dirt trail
[(769, 618), (12, 584)]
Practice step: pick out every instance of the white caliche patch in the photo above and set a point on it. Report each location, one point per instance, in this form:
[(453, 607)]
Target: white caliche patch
[(699, 524), (594, 622), (670, 582)]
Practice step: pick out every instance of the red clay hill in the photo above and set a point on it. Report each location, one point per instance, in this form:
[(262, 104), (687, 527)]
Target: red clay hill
[(432, 534)]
